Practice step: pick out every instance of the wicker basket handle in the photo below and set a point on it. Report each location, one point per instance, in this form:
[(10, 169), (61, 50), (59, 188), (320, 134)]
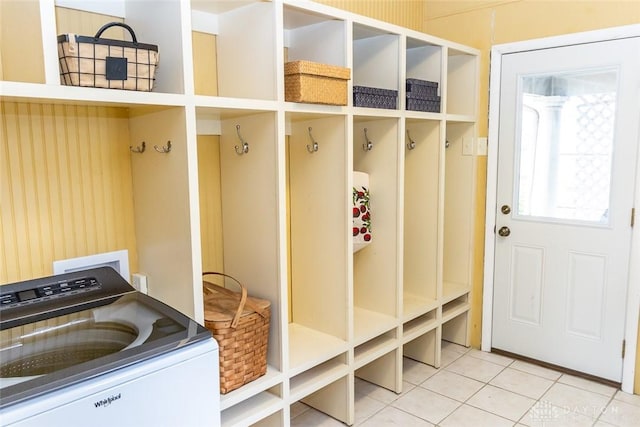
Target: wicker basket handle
[(116, 24), (243, 296)]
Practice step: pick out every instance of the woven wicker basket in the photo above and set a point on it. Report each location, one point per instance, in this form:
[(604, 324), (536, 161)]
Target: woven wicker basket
[(240, 325), (306, 81), (106, 63)]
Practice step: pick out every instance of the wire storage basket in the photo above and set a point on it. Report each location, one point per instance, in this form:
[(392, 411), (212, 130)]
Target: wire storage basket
[(240, 325), (107, 63)]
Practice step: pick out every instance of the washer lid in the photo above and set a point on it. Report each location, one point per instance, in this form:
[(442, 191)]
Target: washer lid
[(48, 344)]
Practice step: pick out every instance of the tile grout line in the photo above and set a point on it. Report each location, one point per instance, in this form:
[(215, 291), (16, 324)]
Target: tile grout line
[(478, 391), (485, 383), (611, 399), (554, 382), (440, 369)]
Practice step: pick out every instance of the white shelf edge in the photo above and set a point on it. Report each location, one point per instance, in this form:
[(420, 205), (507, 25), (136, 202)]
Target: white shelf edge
[(251, 410), (454, 311), (369, 324), (311, 381), (376, 112), (241, 104), (39, 92), (309, 348), (452, 291), (423, 115), (320, 109), (418, 331), (269, 379), (415, 306), (460, 118), (375, 351)]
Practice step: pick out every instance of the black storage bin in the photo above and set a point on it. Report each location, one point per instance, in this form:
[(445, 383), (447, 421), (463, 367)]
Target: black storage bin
[(423, 88), (430, 104), (422, 95), (374, 97)]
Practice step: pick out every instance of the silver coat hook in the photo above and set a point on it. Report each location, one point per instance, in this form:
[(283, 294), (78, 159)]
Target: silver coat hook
[(412, 144), (245, 145), (164, 149), (368, 145), (139, 149), (314, 146), (446, 143)]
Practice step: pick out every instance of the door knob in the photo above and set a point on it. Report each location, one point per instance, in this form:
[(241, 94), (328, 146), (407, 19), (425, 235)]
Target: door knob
[(505, 209), (504, 231)]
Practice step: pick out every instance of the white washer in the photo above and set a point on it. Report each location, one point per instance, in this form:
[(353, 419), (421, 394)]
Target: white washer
[(84, 348)]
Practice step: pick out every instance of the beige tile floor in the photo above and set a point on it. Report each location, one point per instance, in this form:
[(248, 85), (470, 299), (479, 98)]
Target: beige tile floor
[(478, 389)]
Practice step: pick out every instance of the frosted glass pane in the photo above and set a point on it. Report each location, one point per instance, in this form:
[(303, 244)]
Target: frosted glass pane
[(565, 145)]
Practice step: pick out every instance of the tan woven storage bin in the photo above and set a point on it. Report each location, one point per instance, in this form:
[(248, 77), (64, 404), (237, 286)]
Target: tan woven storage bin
[(106, 63), (306, 81), (240, 324)]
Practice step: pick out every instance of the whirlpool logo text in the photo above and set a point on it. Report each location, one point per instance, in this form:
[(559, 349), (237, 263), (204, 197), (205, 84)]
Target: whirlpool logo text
[(106, 402)]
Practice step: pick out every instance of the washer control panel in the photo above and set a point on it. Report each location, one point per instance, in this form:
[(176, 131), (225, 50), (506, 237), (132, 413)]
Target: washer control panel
[(48, 292), (47, 297)]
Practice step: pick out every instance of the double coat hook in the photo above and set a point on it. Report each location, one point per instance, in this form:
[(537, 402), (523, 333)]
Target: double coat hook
[(139, 149), (142, 147), (163, 149)]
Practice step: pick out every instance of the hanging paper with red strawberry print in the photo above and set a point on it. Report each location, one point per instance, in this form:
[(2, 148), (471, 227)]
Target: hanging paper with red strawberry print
[(361, 208)]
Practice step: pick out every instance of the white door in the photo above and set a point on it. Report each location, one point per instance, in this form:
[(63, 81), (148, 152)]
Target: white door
[(568, 135)]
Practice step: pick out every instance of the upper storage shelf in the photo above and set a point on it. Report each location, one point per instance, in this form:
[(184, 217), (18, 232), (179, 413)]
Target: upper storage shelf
[(312, 36), (424, 62), (375, 58), (234, 44), (461, 82)]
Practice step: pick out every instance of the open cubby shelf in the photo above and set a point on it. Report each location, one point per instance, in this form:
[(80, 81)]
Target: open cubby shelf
[(278, 215)]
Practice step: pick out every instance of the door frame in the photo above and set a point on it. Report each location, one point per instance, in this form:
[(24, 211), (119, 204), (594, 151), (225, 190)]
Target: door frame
[(633, 286)]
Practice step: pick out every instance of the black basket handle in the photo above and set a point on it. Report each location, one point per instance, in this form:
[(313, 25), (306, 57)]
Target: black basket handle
[(116, 24)]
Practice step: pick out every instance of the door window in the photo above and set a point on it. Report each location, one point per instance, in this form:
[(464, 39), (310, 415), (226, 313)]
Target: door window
[(565, 148)]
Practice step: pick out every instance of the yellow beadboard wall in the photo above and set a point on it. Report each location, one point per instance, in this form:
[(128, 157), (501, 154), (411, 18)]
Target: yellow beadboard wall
[(210, 206), (440, 9), (406, 13), (485, 23), (205, 65), (209, 181), (66, 186), (52, 208), (87, 23), (23, 18)]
